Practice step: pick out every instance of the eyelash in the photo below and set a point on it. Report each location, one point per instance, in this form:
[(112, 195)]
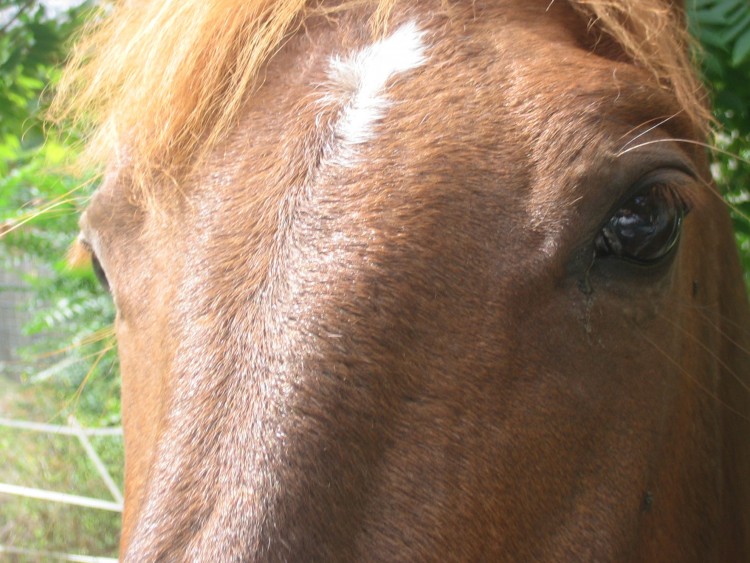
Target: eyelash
[(645, 228)]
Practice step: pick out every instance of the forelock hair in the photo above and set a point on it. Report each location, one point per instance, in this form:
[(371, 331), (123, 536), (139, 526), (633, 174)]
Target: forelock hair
[(168, 79)]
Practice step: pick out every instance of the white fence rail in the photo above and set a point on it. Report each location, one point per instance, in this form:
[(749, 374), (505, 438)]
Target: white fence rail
[(53, 555), (54, 429), (64, 498), (83, 434)]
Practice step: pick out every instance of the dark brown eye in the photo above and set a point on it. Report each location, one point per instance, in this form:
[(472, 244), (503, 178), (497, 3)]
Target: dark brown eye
[(99, 272), (646, 228)]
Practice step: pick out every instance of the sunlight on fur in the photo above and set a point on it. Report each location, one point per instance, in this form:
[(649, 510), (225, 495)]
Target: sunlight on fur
[(168, 79)]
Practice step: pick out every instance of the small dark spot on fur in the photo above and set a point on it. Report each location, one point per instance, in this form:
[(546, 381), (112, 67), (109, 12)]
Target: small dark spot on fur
[(696, 288), (648, 501)]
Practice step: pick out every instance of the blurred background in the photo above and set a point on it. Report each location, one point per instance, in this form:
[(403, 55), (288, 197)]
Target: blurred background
[(58, 365), (61, 452)]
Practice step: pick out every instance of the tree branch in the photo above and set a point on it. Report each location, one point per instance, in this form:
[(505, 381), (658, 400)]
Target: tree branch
[(14, 19)]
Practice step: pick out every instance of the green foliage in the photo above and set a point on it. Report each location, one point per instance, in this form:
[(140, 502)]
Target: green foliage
[(32, 45), (723, 29), (70, 315), (56, 463), (40, 205)]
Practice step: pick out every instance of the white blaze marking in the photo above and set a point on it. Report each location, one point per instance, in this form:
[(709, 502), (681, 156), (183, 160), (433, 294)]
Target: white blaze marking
[(362, 77)]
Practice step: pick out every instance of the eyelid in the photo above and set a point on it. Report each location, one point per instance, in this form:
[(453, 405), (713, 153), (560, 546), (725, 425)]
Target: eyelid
[(80, 253), (89, 241), (678, 188), (84, 246), (668, 177)]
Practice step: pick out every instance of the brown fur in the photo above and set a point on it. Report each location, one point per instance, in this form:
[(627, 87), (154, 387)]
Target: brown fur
[(167, 79), (415, 356)]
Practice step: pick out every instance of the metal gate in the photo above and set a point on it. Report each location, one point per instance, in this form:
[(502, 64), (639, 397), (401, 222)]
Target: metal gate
[(114, 504)]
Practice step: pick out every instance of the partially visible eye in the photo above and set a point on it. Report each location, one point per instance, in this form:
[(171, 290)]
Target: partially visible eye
[(646, 228), (80, 254), (99, 272)]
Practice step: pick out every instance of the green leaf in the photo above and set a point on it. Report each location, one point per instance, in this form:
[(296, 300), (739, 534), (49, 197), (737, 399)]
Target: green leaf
[(722, 12), (708, 36), (741, 50), (742, 26), (728, 100)]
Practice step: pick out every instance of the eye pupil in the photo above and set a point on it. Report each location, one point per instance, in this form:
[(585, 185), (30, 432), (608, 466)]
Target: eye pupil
[(645, 229)]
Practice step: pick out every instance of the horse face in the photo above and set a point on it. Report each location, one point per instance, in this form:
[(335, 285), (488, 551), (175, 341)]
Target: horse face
[(455, 291)]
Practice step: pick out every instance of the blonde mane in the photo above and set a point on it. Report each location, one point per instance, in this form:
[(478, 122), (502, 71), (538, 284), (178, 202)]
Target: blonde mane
[(168, 78)]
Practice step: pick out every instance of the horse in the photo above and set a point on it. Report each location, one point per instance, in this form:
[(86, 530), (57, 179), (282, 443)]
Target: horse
[(410, 281)]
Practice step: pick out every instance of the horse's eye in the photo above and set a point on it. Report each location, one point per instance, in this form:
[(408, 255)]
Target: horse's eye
[(646, 228), (99, 272)]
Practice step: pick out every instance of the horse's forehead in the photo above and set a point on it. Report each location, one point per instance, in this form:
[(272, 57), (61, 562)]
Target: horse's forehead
[(356, 82), (349, 92), (432, 85)]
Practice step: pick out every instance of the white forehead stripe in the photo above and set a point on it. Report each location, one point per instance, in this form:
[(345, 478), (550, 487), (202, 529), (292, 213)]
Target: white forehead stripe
[(363, 75)]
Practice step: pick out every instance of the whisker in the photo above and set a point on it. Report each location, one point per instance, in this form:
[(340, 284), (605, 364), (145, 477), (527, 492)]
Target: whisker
[(707, 349), (67, 197), (694, 380), (103, 335), (17, 224), (647, 131), (733, 207), (729, 204), (687, 141), (77, 396), (724, 334), (701, 308)]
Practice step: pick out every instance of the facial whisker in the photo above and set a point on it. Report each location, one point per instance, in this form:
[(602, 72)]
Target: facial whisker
[(724, 334), (693, 379), (687, 141), (73, 401), (702, 308), (711, 352), (647, 131), (43, 210), (729, 204)]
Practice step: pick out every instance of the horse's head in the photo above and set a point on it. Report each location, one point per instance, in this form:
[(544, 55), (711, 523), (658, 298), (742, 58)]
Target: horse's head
[(459, 290)]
